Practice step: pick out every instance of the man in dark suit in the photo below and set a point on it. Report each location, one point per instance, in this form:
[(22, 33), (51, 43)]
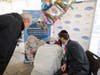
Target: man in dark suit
[(11, 26), (74, 61)]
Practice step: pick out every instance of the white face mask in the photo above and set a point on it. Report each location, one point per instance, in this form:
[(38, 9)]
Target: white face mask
[(51, 43), (33, 45)]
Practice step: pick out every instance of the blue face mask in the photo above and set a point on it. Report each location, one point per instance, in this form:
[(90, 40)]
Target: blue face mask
[(51, 43), (33, 45)]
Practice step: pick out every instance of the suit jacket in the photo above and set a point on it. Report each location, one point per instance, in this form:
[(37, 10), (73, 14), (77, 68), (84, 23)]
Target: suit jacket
[(76, 59), (10, 30)]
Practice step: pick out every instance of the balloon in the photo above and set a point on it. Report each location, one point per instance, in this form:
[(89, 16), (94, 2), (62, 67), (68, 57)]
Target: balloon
[(46, 4), (45, 7)]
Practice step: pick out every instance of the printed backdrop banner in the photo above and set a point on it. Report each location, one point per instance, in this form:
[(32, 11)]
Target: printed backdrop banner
[(34, 29)]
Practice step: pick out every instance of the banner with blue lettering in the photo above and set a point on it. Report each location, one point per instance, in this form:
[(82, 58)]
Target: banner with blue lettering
[(35, 29)]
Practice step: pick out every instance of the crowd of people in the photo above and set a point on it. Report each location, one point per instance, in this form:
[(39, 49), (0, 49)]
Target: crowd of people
[(74, 61)]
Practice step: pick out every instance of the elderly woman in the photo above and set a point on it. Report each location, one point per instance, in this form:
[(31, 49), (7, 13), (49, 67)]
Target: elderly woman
[(31, 47), (53, 41)]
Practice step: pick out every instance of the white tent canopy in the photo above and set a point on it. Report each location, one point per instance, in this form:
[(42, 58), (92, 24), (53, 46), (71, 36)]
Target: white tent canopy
[(19, 5)]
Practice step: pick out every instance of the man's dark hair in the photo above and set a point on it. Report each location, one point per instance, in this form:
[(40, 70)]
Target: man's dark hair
[(63, 34)]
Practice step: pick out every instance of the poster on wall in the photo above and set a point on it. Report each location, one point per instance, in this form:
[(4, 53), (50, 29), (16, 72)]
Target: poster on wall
[(35, 29)]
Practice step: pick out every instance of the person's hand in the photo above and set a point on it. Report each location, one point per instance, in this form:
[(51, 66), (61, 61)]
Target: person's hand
[(63, 67)]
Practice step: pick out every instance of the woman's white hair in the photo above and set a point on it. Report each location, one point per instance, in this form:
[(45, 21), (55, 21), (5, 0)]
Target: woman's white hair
[(38, 42), (52, 39)]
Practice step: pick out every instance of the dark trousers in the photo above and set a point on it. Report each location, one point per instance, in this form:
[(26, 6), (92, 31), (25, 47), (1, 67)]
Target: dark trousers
[(59, 72)]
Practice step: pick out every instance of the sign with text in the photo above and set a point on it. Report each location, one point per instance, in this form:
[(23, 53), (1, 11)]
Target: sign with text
[(35, 29)]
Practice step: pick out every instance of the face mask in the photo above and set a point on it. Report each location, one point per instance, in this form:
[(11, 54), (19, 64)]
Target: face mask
[(51, 43), (33, 45)]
